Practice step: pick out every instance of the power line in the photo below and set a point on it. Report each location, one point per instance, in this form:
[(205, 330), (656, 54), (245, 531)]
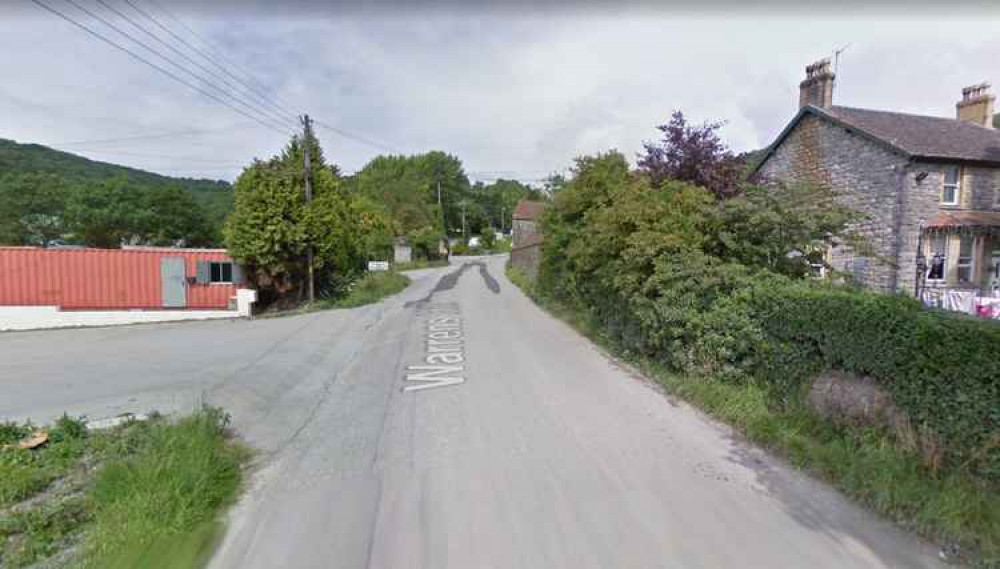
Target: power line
[(168, 60), (250, 90), (208, 45), (356, 137), (261, 96), (263, 110), (144, 155), (166, 72), (153, 136)]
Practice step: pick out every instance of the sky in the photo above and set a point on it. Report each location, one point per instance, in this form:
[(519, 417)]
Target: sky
[(515, 93)]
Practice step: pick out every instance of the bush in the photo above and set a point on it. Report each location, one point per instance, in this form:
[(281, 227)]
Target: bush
[(940, 368), (716, 289)]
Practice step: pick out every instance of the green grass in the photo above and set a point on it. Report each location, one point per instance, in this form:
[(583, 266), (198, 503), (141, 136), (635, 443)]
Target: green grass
[(167, 490), (865, 465), (420, 264), (519, 278), (369, 289), (145, 494)]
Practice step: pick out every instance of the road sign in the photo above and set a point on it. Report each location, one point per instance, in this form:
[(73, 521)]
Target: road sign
[(378, 265)]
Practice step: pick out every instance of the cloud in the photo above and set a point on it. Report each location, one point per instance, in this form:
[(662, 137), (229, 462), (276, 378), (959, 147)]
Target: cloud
[(504, 91)]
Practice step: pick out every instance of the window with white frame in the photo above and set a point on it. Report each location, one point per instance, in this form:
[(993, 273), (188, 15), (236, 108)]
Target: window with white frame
[(952, 186), (938, 257), (966, 259)]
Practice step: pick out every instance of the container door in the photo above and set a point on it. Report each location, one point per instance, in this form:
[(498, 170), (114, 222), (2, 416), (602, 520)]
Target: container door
[(173, 282)]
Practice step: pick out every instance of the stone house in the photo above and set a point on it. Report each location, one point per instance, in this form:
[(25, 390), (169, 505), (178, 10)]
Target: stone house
[(928, 188), (525, 222)]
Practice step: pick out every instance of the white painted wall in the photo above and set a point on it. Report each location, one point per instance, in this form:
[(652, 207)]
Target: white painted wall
[(38, 317)]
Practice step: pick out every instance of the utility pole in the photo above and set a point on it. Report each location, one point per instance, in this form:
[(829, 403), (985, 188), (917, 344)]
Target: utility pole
[(464, 236), (306, 137)]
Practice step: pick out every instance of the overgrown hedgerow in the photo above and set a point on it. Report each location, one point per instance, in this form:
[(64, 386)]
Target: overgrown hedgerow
[(716, 290)]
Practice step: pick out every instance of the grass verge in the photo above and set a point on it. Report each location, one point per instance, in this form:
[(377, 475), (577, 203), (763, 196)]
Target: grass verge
[(369, 289), (144, 494), (960, 513)]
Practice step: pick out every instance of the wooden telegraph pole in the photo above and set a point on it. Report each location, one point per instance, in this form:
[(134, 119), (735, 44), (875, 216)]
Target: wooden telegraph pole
[(306, 137)]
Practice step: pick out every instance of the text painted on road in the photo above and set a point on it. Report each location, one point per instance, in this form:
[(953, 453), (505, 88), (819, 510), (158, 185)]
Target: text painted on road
[(444, 361)]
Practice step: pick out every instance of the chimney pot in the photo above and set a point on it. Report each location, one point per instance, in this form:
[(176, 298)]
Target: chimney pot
[(817, 88), (976, 106)]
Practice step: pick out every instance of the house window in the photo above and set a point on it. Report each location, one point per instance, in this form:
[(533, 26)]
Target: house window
[(221, 273), (938, 257), (965, 259), (952, 186)]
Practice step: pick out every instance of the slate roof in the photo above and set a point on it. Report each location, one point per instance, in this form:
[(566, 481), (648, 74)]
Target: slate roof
[(529, 210), (915, 136)]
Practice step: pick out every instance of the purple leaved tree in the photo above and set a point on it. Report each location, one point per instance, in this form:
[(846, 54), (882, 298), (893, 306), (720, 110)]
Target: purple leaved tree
[(695, 154)]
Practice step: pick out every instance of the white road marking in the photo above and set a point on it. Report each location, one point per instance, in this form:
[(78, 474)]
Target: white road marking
[(444, 349)]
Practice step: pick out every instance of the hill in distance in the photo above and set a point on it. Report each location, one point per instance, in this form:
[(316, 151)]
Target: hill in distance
[(216, 196)]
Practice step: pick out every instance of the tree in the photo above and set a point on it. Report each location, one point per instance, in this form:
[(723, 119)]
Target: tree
[(32, 206), (106, 214), (408, 188), (693, 154), (784, 229), (272, 226), (175, 218)]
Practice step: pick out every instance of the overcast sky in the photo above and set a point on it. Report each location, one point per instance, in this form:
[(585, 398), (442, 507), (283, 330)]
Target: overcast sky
[(512, 92)]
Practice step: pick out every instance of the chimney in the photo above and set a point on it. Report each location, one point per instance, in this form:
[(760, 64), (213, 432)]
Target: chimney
[(817, 89), (976, 106)]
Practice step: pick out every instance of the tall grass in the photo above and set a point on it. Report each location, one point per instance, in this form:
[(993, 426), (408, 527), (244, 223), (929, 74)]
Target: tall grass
[(157, 505), (369, 289)]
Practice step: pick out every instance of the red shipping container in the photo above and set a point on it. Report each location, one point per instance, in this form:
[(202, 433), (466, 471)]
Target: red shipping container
[(130, 278)]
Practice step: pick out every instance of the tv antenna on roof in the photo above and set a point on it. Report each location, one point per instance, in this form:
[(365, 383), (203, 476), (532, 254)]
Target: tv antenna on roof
[(836, 57)]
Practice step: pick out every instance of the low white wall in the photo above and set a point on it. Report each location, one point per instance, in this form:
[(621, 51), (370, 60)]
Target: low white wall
[(37, 317)]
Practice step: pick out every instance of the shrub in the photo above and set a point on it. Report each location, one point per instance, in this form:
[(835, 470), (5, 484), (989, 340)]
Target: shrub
[(715, 289)]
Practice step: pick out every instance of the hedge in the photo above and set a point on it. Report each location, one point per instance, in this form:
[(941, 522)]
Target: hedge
[(943, 369)]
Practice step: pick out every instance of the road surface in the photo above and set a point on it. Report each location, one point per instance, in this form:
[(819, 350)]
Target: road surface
[(455, 426)]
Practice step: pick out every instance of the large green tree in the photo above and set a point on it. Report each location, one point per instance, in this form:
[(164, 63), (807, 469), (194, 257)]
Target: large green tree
[(272, 226), (106, 214), (33, 207), (408, 187)]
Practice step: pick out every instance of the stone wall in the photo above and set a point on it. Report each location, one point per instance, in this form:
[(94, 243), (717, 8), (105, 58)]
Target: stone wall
[(865, 177), (522, 230), (527, 259)]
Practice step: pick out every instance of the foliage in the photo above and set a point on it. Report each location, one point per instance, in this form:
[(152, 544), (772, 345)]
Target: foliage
[(488, 238), (695, 154), (164, 493), (937, 366), (45, 209), (407, 186), (213, 198), (370, 289), (272, 226), (493, 204), (867, 465), (784, 229), (425, 243), (715, 288)]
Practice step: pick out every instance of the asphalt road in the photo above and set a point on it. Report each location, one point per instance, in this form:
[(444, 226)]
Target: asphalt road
[(455, 426)]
